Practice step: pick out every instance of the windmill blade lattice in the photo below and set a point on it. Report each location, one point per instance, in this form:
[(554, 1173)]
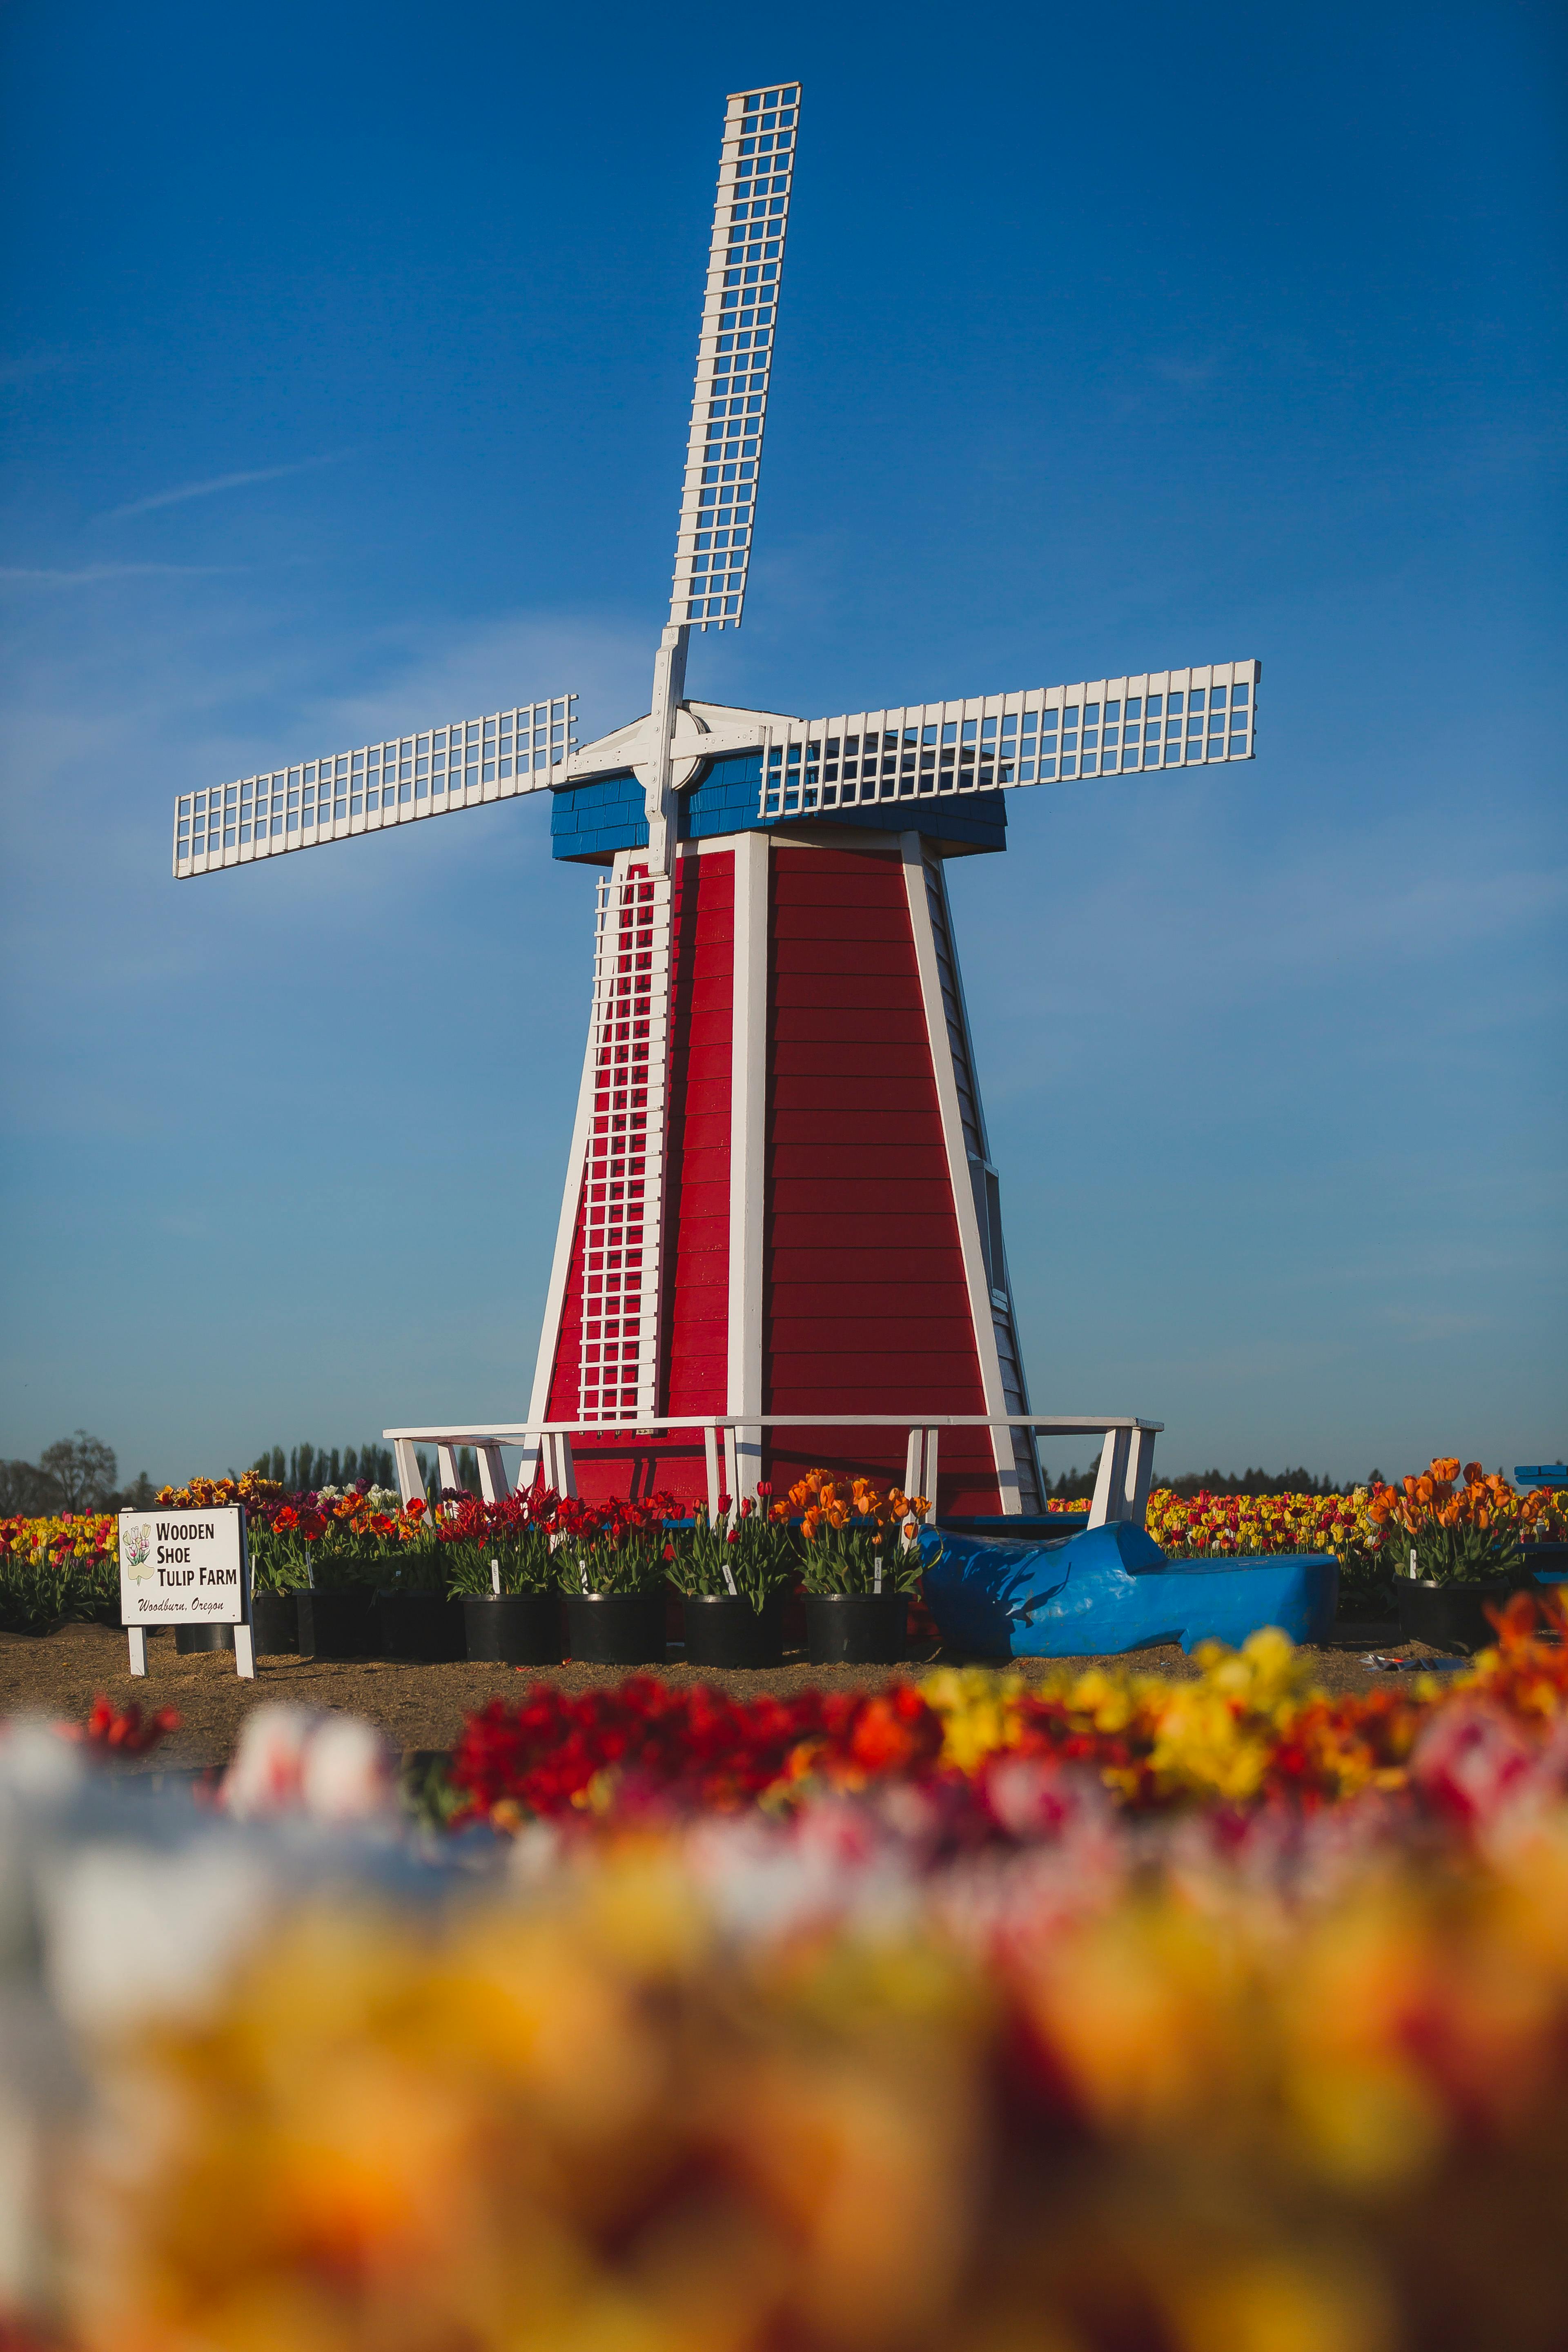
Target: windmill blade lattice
[(740, 320), (466, 764), (1102, 727)]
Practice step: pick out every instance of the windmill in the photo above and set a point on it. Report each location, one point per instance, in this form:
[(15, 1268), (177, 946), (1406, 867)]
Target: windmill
[(780, 1197)]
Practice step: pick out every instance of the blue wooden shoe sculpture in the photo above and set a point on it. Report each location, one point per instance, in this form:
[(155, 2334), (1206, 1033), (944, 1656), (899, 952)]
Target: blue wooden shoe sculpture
[(1110, 1590)]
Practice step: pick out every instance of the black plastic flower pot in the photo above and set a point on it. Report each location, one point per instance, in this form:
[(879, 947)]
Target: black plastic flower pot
[(616, 1628), (425, 1627), (274, 1623), (856, 1628), (189, 1639), (1546, 1563), (514, 1628), (336, 1623), (721, 1630), (1449, 1616)]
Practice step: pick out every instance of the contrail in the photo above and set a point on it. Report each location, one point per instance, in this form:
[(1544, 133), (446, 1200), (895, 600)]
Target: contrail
[(208, 490)]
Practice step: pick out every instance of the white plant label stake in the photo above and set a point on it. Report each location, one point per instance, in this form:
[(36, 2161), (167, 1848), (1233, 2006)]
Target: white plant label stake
[(185, 1567), (495, 1578)]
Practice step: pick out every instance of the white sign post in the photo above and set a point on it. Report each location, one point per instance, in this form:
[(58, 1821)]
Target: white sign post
[(185, 1567)]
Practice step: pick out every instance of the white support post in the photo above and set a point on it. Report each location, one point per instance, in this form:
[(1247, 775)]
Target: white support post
[(731, 1474), (710, 1452), (1140, 1473), (919, 1468), (1111, 1480), (137, 1636), (409, 1481), (748, 1149), (561, 1471), (446, 1466), (492, 1474)]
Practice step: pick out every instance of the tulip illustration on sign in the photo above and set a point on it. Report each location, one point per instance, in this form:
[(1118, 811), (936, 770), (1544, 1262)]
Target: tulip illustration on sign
[(138, 1550)]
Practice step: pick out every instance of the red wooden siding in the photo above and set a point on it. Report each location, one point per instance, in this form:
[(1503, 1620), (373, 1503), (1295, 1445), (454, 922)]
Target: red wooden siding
[(865, 1307), (866, 1303), (697, 1216)]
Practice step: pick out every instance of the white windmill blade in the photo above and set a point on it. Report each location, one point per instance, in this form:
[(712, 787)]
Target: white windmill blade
[(466, 764), (734, 355), (1102, 727)]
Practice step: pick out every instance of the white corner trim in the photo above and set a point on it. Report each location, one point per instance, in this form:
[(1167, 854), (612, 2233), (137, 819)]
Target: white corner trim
[(962, 1190), (748, 1145)]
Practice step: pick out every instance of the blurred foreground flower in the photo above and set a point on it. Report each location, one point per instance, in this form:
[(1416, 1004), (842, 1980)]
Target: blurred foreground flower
[(330, 1766), (1198, 2114), (1099, 2014)]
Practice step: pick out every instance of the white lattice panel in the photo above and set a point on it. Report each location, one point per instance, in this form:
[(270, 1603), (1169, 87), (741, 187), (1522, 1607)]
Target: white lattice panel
[(1107, 726), (622, 1175), (734, 356), (464, 764)]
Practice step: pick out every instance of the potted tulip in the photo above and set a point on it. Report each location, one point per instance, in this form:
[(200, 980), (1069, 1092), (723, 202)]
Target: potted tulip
[(1454, 1549), (336, 1604), (733, 1575), (353, 1536), (499, 1563), (861, 1561), (415, 1617), (279, 1568), (612, 1562)]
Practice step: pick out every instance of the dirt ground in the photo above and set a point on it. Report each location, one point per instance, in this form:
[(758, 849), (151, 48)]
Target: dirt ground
[(423, 1706)]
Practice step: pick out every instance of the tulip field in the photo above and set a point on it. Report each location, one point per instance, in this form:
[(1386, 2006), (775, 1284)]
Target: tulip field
[(1087, 2010), (1079, 2007)]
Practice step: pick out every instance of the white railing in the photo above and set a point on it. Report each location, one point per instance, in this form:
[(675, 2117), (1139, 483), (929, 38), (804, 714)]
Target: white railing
[(732, 1450)]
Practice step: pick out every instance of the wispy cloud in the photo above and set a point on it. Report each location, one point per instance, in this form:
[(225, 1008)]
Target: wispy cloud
[(23, 366), (1180, 369), (219, 482), (89, 575)]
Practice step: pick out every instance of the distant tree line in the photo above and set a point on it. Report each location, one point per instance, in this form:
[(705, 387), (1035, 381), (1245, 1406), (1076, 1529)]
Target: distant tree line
[(1074, 1486), (74, 1473), (304, 1469), (1259, 1482)]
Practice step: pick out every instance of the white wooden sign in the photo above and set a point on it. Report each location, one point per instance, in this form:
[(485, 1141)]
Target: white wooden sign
[(185, 1567)]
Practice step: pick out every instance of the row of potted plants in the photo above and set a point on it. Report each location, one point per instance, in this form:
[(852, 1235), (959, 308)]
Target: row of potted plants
[(1433, 1548), (1454, 1542), (537, 1575)]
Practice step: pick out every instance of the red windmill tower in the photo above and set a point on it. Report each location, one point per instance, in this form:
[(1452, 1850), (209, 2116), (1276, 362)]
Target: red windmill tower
[(779, 1199)]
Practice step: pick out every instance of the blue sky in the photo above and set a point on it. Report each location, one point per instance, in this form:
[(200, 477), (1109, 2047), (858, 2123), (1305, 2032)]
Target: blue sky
[(345, 383)]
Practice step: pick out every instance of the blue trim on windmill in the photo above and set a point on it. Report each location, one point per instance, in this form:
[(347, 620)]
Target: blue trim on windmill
[(590, 822)]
